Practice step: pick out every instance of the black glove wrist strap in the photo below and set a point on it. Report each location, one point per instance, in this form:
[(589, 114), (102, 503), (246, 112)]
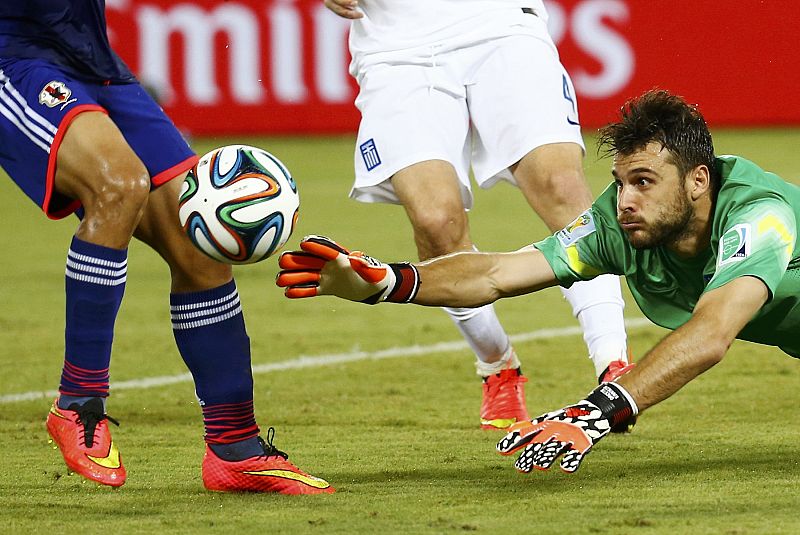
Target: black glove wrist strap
[(614, 402), (406, 283)]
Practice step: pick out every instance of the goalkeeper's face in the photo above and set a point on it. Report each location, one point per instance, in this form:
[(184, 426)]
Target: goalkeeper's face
[(654, 207)]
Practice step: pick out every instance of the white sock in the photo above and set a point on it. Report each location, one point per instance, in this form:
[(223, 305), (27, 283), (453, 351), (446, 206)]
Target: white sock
[(509, 360), (598, 306), (482, 331)]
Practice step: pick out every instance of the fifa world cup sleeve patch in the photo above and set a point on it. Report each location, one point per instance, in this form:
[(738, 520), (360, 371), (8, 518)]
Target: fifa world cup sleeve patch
[(582, 226), (735, 244)]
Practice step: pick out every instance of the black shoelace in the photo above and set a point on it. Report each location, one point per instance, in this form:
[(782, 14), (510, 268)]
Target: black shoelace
[(90, 414), (269, 449)]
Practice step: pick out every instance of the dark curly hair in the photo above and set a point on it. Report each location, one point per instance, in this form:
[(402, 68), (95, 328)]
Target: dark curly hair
[(668, 119)]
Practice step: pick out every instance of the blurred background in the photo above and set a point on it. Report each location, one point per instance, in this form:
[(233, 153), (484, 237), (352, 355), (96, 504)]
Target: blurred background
[(280, 66)]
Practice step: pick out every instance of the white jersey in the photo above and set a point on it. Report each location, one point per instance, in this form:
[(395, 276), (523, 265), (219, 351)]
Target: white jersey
[(390, 25)]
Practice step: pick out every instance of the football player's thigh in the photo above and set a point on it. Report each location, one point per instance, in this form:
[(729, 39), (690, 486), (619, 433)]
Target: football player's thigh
[(522, 99), (430, 190), (434, 199), (93, 143)]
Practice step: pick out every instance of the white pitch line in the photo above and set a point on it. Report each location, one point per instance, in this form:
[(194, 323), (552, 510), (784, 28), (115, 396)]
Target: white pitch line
[(305, 361)]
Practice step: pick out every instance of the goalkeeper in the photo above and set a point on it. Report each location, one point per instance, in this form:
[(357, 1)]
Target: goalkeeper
[(707, 245)]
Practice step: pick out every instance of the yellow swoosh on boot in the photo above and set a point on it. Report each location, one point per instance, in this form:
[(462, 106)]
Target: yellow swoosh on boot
[(288, 474), (109, 461)]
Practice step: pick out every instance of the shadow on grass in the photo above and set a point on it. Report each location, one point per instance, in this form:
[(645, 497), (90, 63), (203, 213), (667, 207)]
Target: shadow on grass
[(594, 474)]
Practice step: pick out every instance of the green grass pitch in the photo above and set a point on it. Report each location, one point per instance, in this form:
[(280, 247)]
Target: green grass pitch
[(385, 405)]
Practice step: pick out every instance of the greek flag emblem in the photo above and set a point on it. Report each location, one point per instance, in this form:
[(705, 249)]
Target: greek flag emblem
[(370, 154)]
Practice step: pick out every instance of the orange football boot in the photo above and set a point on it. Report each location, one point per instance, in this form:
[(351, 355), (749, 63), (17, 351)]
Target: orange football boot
[(270, 472), (503, 399), (81, 433)]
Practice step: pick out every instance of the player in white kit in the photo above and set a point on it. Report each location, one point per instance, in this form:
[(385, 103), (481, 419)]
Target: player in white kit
[(449, 85)]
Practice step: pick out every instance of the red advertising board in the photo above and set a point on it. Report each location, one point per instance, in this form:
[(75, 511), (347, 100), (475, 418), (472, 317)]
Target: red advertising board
[(280, 66)]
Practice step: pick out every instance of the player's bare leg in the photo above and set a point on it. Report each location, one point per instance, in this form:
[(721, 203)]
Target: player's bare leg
[(95, 165), (552, 181), (191, 270), (431, 194), (209, 329)]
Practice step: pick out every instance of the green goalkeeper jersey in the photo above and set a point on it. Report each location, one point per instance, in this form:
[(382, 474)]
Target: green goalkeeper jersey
[(754, 232)]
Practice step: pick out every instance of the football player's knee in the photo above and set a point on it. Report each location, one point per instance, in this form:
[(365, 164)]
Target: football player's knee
[(123, 188), (441, 232)]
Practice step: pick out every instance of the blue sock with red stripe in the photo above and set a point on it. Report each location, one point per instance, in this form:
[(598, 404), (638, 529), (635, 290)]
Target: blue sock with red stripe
[(95, 283), (210, 332)]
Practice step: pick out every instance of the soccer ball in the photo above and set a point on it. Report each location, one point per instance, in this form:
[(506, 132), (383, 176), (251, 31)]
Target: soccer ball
[(239, 204)]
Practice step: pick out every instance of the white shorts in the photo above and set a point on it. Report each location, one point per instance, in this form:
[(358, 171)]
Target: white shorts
[(482, 104)]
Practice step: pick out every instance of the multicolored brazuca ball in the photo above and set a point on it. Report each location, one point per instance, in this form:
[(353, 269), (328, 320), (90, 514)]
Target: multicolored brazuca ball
[(239, 204)]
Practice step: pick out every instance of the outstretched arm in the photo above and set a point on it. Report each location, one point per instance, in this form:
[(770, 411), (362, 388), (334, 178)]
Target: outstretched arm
[(469, 279), (698, 344)]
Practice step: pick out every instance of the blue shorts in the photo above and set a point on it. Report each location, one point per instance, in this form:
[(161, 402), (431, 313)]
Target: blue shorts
[(38, 101)]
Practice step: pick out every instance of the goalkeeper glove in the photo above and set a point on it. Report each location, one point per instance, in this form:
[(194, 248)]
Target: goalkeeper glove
[(571, 431), (323, 267)]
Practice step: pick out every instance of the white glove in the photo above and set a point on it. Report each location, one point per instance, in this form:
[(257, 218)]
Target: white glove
[(571, 431)]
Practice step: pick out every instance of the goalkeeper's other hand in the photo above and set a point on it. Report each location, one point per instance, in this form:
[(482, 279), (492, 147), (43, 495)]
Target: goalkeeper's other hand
[(323, 267), (569, 433)]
